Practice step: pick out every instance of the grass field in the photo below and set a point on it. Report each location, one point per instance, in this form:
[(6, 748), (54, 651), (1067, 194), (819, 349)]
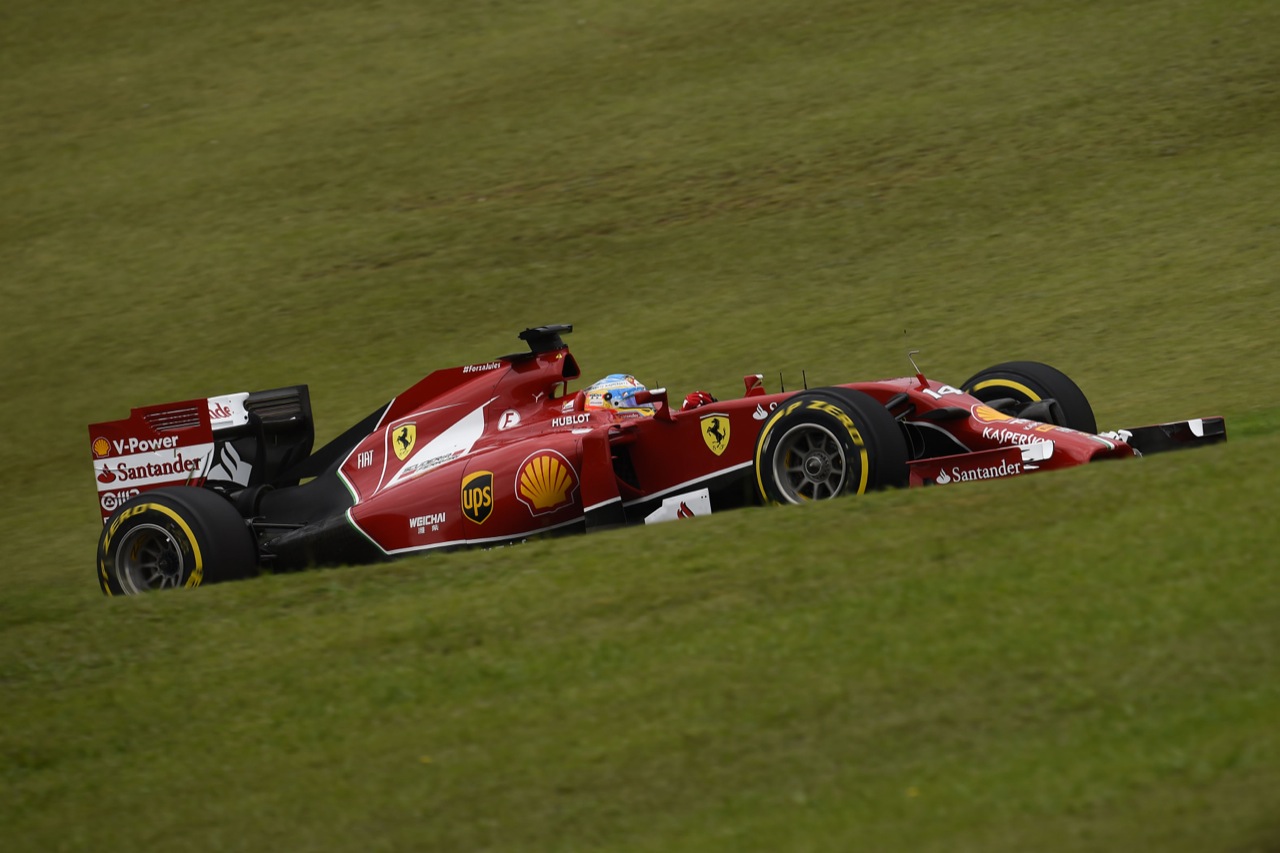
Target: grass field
[(199, 200)]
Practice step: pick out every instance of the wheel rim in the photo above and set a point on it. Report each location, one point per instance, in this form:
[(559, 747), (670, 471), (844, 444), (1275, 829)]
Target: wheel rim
[(809, 464), (149, 558)]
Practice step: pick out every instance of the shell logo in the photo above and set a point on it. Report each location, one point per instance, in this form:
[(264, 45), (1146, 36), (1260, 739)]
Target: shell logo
[(101, 447), (546, 482), (986, 414)]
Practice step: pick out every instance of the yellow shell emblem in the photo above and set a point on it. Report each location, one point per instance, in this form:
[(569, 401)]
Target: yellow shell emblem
[(101, 447), (990, 415), (546, 482)]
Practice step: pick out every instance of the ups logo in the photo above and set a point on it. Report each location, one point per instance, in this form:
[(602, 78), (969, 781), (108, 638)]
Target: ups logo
[(477, 496)]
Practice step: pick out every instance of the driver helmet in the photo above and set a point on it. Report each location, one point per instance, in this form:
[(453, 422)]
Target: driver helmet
[(617, 393)]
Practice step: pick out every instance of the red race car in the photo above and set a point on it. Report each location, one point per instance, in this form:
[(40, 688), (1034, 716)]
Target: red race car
[(216, 488)]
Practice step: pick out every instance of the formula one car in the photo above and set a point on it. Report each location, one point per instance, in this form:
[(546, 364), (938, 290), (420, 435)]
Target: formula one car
[(224, 487)]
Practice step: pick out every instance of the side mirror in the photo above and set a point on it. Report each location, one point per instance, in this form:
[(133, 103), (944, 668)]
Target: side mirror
[(657, 397)]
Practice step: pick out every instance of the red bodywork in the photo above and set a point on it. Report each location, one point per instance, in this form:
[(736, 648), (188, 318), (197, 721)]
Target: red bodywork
[(499, 451)]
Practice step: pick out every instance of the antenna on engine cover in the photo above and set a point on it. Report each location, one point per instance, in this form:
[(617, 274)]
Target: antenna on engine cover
[(924, 383)]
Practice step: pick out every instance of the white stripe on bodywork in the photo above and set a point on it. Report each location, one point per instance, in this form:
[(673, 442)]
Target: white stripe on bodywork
[(688, 484), (601, 504), (454, 443)]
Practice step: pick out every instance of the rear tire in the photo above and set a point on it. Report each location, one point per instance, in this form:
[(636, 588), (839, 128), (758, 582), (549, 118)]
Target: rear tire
[(1032, 385), (826, 443), (173, 537)]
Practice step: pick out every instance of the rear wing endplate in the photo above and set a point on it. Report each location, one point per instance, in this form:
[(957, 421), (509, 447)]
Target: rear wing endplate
[(164, 445)]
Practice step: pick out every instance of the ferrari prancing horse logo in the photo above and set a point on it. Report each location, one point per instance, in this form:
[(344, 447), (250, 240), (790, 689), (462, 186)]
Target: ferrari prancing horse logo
[(403, 438), (715, 432)]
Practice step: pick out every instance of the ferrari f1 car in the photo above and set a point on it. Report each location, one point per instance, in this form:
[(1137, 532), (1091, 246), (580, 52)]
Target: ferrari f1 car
[(216, 488)]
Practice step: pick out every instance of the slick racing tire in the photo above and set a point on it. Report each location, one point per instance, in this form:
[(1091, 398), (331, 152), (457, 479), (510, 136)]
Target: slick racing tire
[(825, 443), (173, 537), (1035, 388)]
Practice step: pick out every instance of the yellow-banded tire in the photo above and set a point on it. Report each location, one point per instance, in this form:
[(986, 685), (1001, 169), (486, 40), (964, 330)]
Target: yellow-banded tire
[(825, 443), (173, 537), (1030, 382)]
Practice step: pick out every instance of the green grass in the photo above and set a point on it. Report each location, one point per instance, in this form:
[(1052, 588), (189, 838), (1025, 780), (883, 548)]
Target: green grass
[(202, 200)]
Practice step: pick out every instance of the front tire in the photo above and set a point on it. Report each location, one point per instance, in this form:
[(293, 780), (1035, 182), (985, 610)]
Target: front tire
[(173, 537), (826, 443), (1033, 391)]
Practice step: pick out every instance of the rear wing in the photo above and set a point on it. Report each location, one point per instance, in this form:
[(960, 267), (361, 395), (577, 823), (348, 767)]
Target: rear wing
[(229, 442)]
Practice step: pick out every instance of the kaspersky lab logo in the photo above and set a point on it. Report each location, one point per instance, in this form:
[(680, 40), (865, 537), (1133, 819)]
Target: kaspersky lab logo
[(402, 440)]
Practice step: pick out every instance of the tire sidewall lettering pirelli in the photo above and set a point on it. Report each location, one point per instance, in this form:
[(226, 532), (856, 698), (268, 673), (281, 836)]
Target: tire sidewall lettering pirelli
[(840, 415), (161, 516), (815, 405), (818, 407)]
